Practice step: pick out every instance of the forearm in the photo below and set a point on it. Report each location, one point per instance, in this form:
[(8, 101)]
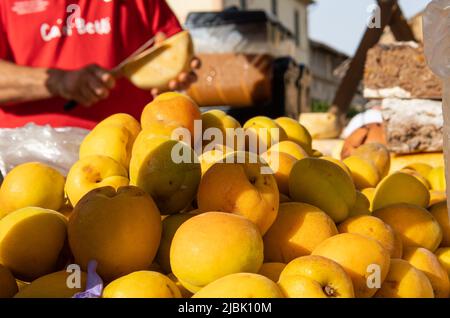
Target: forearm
[(19, 83)]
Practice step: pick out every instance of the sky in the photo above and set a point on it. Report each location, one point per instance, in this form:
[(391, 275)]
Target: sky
[(342, 23)]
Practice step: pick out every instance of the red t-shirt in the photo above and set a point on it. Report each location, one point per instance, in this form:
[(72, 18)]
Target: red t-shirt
[(34, 33)]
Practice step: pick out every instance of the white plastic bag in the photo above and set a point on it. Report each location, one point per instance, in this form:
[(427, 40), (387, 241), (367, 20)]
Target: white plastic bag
[(436, 28), (57, 148), (436, 24)]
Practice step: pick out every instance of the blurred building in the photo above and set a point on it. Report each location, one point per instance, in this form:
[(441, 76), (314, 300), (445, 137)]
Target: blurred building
[(324, 61), (292, 14), (328, 67)]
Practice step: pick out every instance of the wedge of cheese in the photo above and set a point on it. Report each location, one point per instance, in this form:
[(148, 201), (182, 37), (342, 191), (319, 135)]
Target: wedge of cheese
[(162, 64)]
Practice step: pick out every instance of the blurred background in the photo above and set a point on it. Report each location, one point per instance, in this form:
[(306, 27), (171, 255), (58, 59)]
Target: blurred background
[(304, 57)]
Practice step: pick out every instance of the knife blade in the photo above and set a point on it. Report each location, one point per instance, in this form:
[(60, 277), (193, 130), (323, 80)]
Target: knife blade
[(117, 71)]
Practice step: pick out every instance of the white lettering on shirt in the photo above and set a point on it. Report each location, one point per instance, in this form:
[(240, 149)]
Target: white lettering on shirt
[(75, 24), (100, 27)]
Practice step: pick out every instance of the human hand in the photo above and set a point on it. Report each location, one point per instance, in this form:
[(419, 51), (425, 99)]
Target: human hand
[(87, 86), (184, 80)]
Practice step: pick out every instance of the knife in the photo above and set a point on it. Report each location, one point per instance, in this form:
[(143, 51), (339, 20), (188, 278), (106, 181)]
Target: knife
[(141, 52)]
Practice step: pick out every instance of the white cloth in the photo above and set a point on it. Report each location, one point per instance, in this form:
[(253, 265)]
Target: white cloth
[(370, 116)]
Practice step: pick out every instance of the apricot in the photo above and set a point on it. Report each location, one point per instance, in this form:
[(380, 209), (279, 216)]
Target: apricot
[(226, 124), (166, 169), (340, 163), (415, 225), (378, 154), (120, 229), (440, 212), (323, 184), (142, 284), (53, 286), (31, 184), (92, 173), (296, 132), (290, 148), (357, 254), (372, 227), (429, 264), (263, 133), (213, 245), (111, 141), (315, 277), (364, 172), (31, 240), (169, 112), (400, 188), (241, 285), (297, 231), (219, 119), (113, 137), (123, 120), (418, 176), (281, 164), (209, 158), (405, 281), (242, 189)]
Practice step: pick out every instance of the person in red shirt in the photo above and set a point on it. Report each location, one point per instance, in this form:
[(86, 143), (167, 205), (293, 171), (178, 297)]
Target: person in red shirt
[(52, 51)]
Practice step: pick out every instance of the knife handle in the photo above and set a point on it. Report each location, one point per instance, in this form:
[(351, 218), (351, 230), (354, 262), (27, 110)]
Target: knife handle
[(70, 105)]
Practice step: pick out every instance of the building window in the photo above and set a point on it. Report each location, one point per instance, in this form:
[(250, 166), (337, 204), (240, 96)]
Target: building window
[(243, 4), (275, 7), (297, 27)]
